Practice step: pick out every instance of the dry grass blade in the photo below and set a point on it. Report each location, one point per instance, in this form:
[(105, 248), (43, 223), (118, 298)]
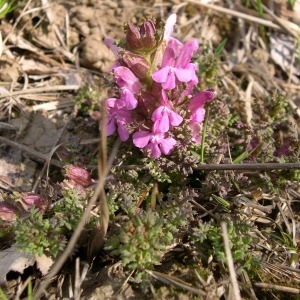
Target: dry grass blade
[(277, 287), (1, 44), (168, 279), (236, 14), (39, 90), (99, 232), (79, 278), (234, 282)]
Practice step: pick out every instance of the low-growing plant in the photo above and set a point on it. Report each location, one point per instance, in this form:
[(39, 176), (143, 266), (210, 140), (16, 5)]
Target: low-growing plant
[(141, 241), (207, 239), (45, 229)]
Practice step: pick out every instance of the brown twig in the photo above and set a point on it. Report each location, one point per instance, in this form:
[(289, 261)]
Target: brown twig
[(241, 167), (251, 166), (30, 151)]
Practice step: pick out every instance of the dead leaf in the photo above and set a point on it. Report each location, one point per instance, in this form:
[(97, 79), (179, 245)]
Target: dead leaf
[(12, 259), (44, 263)]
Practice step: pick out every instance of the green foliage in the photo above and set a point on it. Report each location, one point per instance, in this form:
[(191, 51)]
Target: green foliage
[(207, 239), (69, 211), (2, 295), (141, 240), (87, 99), (7, 6), (47, 234), (292, 3), (38, 235), (208, 68)]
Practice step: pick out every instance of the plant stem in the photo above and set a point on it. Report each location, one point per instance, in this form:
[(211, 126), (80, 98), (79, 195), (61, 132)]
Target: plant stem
[(204, 135)]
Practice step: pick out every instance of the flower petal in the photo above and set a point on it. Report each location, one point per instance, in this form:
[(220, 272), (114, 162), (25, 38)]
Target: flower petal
[(161, 75), (167, 145), (184, 75), (123, 132), (174, 118), (125, 78), (186, 53), (128, 97), (110, 127), (170, 83), (162, 124), (169, 27), (196, 132), (169, 56), (198, 115), (154, 150), (141, 138)]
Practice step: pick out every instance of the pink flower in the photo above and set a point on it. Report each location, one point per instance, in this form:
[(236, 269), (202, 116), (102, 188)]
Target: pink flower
[(142, 38), (125, 78), (78, 175), (129, 85), (28, 200), (176, 65), (196, 131), (155, 143), (163, 116), (111, 45), (8, 212), (138, 65), (196, 105), (118, 118), (169, 27)]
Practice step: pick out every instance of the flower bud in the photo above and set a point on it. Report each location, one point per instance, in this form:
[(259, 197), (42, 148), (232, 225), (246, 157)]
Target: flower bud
[(142, 38), (136, 63), (8, 212), (78, 175), (76, 189), (28, 200)]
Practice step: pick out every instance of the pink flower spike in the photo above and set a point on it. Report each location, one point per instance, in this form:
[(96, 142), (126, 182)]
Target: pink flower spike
[(125, 78), (169, 27)]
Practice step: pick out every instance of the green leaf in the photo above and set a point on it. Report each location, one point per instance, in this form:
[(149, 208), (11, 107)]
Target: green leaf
[(221, 46)]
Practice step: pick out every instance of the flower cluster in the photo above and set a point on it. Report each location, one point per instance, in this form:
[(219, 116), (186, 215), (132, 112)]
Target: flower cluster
[(156, 81)]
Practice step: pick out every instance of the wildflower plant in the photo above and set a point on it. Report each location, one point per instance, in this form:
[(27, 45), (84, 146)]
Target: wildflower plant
[(157, 89), (43, 227)]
